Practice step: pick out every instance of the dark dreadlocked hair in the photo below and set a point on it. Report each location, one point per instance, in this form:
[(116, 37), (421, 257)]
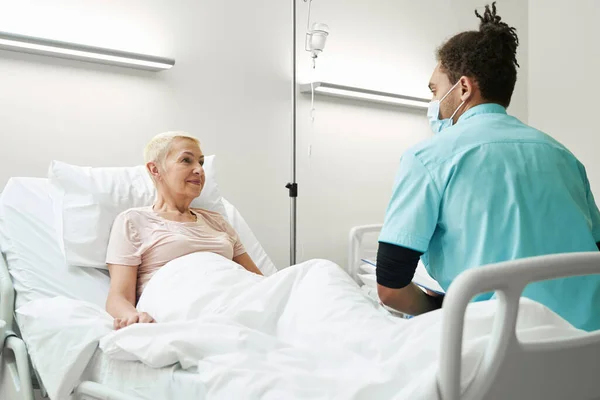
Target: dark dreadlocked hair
[(489, 56)]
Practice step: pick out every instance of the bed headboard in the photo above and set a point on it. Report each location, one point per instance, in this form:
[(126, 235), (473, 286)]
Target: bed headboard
[(563, 369), (356, 248)]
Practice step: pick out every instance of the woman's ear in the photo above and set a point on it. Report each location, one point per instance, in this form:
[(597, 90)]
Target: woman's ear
[(153, 169)]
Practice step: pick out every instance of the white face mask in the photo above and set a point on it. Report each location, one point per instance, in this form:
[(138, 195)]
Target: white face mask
[(433, 113)]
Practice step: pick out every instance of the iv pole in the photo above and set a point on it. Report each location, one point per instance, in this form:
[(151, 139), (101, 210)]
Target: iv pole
[(315, 42), (293, 186)]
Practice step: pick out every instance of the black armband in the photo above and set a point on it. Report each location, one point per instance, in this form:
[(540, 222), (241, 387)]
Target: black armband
[(396, 265)]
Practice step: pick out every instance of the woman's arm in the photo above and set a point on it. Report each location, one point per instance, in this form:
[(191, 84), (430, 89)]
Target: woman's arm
[(245, 261), (120, 302)]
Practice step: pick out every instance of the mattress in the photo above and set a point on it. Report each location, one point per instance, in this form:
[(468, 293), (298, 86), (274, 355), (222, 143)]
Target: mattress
[(137, 379)]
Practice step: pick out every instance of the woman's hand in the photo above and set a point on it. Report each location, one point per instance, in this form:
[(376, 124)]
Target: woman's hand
[(140, 317), (121, 297)]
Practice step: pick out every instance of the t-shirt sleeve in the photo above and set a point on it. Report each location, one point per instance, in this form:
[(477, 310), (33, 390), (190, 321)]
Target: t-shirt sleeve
[(238, 247), (124, 245), (412, 213)]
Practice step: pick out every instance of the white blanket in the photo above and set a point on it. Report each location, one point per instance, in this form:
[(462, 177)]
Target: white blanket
[(305, 332)]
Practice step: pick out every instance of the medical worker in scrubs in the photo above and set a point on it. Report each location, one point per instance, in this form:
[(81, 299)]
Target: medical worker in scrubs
[(486, 187)]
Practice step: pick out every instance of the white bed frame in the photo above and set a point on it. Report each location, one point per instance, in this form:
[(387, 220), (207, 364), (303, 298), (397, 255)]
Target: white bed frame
[(552, 370)]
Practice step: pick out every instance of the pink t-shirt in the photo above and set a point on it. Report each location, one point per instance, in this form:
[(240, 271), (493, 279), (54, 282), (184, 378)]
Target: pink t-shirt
[(140, 237)]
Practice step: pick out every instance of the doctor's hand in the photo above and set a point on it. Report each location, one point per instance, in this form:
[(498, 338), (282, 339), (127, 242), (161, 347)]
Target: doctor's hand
[(432, 294), (140, 317)]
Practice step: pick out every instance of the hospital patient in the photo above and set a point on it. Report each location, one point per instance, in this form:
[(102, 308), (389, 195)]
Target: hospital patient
[(144, 239)]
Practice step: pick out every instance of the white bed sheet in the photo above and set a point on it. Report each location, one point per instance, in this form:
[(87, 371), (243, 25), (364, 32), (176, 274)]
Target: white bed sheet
[(137, 379)]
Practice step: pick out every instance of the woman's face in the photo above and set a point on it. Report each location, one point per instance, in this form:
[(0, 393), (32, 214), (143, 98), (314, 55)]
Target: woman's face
[(181, 174)]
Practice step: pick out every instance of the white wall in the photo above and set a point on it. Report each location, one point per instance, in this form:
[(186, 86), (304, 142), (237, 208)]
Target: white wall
[(564, 61), (227, 87), (230, 86), (387, 45)]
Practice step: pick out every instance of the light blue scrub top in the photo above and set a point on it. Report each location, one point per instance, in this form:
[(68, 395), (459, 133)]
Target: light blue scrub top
[(491, 189)]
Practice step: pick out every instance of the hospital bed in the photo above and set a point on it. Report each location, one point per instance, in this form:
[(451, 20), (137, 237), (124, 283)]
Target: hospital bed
[(565, 368)]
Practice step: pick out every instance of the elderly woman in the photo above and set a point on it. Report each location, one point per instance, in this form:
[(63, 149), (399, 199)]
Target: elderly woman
[(144, 239)]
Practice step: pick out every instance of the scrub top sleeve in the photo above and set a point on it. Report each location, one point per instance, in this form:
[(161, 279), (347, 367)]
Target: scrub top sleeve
[(594, 213), (412, 213)]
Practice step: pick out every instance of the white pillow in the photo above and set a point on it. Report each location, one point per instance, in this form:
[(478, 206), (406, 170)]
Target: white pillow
[(93, 197), (29, 240)]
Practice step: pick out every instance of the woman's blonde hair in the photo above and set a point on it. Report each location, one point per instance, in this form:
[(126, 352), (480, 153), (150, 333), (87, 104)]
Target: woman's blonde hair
[(157, 149)]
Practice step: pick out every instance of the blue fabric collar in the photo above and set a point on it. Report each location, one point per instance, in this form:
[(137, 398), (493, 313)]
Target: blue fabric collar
[(487, 108)]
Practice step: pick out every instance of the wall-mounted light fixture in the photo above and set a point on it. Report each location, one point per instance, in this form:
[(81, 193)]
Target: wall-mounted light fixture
[(55, 48), (331, 89)]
